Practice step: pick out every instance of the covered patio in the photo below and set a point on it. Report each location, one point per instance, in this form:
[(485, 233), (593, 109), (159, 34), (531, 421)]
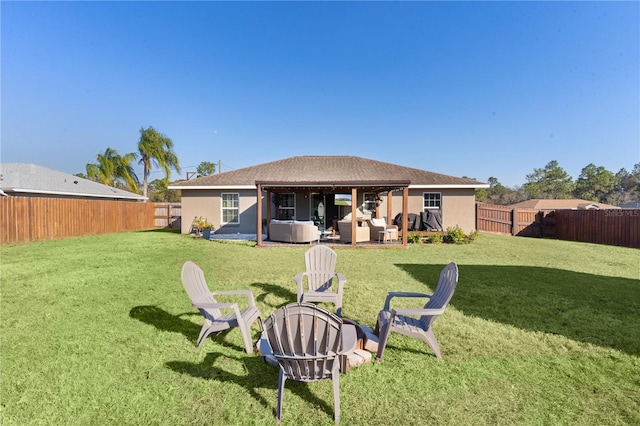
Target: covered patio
[(267, 188)]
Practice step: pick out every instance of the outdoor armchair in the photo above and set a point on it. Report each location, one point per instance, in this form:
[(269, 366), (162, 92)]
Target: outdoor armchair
[(320, 262), (362, 232), (376, 226), (307, 341), (215, 320), (403, 321)]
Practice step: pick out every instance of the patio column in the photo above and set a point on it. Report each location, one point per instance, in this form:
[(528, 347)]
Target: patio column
[(354, 216), (389, 207), (405, 215), (259, 215), (269, 212)]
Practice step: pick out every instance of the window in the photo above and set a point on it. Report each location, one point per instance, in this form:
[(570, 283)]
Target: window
[(432, 200), (230, 208), (286, 204), (369, 205)]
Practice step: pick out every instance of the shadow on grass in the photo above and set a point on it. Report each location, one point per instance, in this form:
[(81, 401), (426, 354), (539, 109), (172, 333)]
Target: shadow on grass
[(257, 375), (275, 290), (162, 230), (588, 308), (164, 321)]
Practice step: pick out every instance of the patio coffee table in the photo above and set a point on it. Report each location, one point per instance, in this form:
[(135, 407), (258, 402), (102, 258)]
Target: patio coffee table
[(384, 235), (328, 236)]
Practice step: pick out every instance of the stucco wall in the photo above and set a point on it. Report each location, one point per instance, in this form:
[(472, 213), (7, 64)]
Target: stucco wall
[(207, 203), (458, 206)]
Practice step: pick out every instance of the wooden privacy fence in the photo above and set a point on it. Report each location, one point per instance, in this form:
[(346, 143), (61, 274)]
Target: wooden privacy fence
[(168, 215), (24, 219), (619, 227), (507, 220)]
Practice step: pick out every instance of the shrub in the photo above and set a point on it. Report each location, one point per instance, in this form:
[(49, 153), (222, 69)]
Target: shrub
[(455, 235), (435, 238), (471, 237), (414, 238)]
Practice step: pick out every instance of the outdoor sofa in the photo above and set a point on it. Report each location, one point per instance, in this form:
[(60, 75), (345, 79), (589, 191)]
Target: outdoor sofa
[(293, 231)]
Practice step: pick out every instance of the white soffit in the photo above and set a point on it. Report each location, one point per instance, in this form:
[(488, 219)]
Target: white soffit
[(227, 187), (486, 185)]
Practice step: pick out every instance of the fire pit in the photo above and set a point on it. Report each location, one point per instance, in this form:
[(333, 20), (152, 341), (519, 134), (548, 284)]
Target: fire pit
[(367, 342)]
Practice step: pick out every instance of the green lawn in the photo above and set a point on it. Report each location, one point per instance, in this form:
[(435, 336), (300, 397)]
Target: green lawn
[(98, 330)]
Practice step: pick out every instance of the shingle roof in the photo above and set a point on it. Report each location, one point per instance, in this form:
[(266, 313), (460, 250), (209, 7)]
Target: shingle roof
[(631, 205), (20, 178), (553, 204), (308, 170)]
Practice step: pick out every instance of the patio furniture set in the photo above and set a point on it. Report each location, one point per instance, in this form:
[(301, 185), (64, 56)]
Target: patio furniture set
[(306, 341), (296, 231)]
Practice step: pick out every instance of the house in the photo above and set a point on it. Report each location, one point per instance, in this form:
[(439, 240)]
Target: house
[(560, 204), (30, 180), (631, 205), (324, 189)]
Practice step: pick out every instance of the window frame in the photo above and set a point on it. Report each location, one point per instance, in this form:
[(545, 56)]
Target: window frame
[(223, 208), (431, 207)]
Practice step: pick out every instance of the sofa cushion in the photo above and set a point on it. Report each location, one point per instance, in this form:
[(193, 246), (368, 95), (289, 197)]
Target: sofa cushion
[(378, 222)]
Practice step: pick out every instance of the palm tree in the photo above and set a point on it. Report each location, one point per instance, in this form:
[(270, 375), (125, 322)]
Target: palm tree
[(155, 148), (111, 169)]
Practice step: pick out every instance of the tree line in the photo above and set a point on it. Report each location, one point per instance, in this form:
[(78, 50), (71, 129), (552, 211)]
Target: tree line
[(154, 150), (595, 183)]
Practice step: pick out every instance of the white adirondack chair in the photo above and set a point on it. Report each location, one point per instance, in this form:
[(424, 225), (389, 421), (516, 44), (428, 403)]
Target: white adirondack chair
[(307, 341), (215, 320), (320, 274), (403, 321)]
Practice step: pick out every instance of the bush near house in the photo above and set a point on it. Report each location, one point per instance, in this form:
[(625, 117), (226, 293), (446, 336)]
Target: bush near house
[(414, 238), (453, 235), (435, 238)]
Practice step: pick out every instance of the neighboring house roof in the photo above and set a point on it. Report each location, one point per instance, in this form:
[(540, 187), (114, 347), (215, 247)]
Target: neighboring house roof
[(312, 170), (631, 205), (552, 204), (30, 179)]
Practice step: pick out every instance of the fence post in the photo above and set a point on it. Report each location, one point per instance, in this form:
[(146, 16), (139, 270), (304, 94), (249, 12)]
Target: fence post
[(514, 222)]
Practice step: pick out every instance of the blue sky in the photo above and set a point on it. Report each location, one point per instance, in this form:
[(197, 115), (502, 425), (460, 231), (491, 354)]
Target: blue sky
[(475, 89)]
